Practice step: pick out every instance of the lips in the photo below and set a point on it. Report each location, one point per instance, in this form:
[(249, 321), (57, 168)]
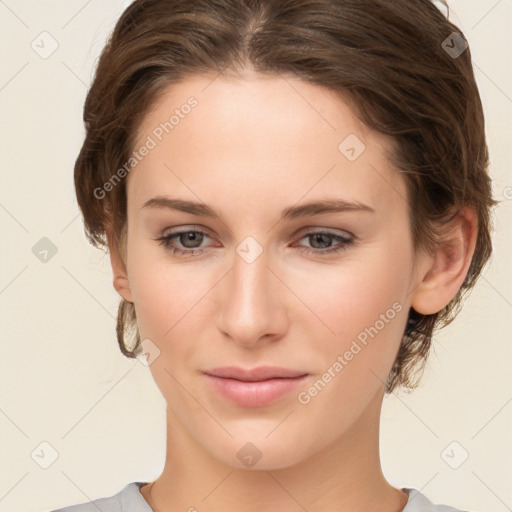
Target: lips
[(255, 374), (255, 387)]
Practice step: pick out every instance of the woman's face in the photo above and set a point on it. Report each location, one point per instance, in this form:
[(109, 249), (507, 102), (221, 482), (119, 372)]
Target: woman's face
[(322, 294)]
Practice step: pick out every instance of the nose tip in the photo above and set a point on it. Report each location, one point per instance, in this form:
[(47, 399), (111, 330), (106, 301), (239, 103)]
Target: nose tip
[(251, 309)]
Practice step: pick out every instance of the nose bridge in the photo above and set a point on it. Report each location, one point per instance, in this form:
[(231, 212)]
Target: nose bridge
[(251, 307)]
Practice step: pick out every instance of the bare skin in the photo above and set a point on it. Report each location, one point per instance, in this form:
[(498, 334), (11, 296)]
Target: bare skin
[(250, 148)]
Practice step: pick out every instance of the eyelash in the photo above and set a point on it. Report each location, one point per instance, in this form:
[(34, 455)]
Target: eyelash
[(345, 242)]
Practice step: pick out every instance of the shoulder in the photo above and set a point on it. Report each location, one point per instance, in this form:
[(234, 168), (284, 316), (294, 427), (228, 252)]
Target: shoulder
[(128, 499), (418, 502)]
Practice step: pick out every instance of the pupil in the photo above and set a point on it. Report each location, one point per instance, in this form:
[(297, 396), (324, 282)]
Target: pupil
[(319, 237), (190, 237)]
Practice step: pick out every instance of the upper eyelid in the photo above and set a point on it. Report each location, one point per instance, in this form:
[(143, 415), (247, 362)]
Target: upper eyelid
[(329, 231), (299, 235), (305, 229)]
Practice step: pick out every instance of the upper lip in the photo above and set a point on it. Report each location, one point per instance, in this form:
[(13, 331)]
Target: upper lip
[(254, 374)]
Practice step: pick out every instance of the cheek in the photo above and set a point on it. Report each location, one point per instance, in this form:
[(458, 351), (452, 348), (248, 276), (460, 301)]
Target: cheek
[(364, 303), (168, 299), (167, 295), (355, 293), (162, 301)]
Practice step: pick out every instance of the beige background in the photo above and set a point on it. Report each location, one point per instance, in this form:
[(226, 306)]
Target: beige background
[(63, 380)]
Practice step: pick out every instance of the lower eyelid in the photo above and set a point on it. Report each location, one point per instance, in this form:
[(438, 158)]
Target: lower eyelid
[(339, 243)]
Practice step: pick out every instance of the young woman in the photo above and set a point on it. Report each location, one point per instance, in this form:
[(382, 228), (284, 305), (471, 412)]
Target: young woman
[(294, 194)]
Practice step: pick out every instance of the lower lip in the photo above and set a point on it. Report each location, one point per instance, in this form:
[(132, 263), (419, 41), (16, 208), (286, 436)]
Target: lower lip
[(255, 394)]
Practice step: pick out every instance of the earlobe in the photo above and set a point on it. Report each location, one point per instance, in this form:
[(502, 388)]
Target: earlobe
[(448, 266), (120, 275), (121, 283)]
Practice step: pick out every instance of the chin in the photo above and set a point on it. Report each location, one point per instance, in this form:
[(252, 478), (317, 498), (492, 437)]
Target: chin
[(260, 452)]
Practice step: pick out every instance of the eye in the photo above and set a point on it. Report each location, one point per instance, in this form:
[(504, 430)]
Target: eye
[(190, 238), (320, 239)]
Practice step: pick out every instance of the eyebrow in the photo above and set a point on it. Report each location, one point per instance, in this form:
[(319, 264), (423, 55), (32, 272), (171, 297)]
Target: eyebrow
[(292, 212)]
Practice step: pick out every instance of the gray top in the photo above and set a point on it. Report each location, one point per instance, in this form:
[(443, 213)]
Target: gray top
[(129, 499)]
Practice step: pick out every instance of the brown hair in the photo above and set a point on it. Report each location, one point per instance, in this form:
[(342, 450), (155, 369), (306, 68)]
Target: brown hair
[(398, 62)]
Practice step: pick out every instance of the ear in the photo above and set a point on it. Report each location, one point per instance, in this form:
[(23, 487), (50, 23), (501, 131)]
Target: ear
[(446, 268), (120, 279)]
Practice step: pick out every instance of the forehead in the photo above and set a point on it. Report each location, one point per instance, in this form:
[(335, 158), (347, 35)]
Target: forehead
[(262, 136)]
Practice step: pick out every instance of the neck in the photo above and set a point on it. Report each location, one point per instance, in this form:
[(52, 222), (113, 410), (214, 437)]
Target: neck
[(344, 476)]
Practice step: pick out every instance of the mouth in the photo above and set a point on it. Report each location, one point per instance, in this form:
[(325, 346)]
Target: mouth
[(255, 387)]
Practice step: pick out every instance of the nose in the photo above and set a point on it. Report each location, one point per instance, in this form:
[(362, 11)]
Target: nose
[(253, 306)]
